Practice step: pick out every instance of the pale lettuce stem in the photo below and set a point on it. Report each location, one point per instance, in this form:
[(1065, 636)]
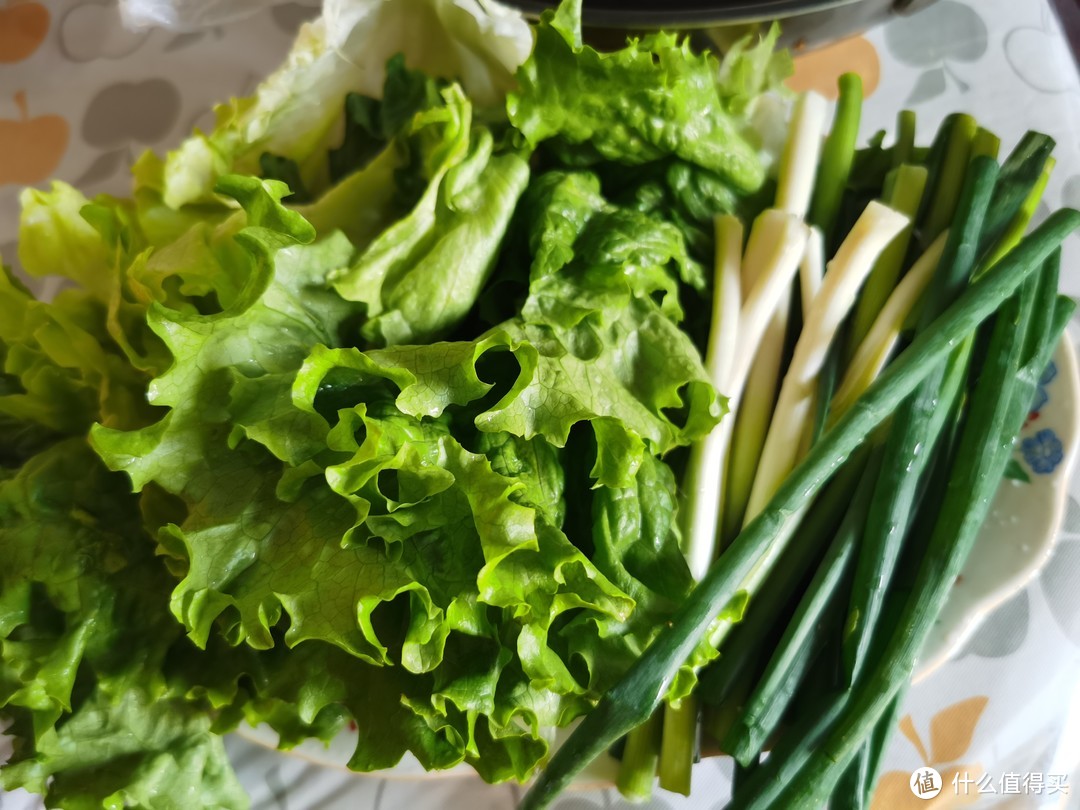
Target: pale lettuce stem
[(837, 156)]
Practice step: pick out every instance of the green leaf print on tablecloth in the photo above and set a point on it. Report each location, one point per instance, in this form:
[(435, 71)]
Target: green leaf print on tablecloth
[(1003, 632), (1036, 54), (1059, 585), (1006, 629), (945, 32)]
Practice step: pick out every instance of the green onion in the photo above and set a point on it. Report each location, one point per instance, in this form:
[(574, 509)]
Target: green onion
[(812, 269), (1018, 226), (826, 387), (1019, 174), (837, 156), (905, 197), (773, 253), (874, 351), (752, 423), (985, 143), (799, 162), (718, 719), (903, 149), (762, 788), (872, 232), (637, 770), (997, 409), (703, 479), (916, 426), (948, 179), (740, 774), (679, 747), (804, 633), (848, 794), (774, 595), (874, 750)]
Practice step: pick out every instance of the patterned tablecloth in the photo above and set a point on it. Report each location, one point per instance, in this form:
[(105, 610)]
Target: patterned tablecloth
[(80, 97)]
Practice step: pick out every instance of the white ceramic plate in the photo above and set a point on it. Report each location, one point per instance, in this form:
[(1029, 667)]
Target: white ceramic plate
[(1013, 544)]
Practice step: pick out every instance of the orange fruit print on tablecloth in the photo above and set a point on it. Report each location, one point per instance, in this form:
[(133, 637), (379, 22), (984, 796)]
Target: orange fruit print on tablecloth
[(820, 69), (30, 148), (23, 26), (952, 731)]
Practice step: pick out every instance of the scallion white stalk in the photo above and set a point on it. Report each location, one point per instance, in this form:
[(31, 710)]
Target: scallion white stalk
[(704, 474), (854, 260), (776, 246), (799, 163), (777, 243), (795, 185), (874, 350), (812, 268)]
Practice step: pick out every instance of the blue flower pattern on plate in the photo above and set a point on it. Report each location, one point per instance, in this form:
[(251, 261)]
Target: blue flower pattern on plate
[(1041, 397), (1043, 451)]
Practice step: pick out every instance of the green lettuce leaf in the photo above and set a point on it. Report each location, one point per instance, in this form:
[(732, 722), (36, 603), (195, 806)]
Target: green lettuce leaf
[(370, 124), (295, 470), (128, 749), (457, 545), (751, 66), (61, 369), (85, 631), (296, 112), (651, 100), (423, 274)]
